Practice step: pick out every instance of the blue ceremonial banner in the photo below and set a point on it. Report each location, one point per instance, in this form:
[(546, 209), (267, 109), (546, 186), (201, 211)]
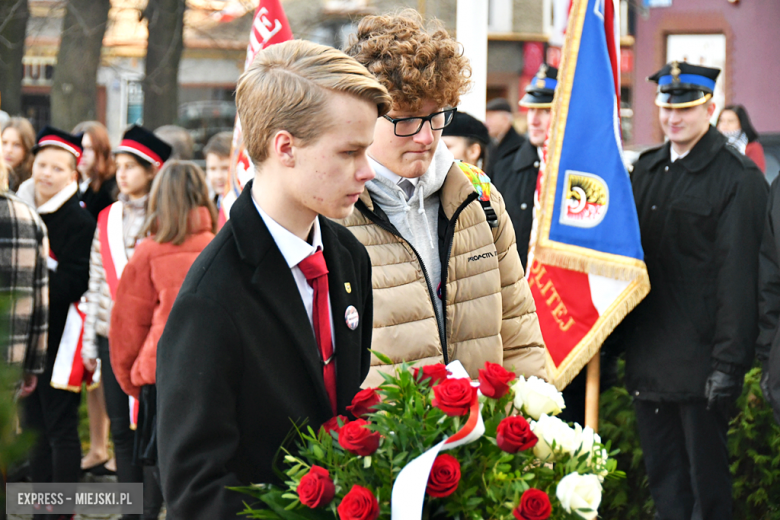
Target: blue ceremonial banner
[(586, 265)]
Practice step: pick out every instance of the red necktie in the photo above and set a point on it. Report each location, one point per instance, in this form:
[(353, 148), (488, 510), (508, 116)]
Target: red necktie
[(316, 272)]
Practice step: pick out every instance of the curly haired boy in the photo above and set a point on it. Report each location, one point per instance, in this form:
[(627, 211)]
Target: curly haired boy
[(448, 282)]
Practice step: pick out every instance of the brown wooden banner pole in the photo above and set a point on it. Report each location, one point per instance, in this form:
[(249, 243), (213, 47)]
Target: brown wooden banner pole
[(592, 393)]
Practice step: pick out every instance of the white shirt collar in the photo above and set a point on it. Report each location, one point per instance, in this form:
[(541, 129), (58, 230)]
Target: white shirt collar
[(293, 248), (675, 155), (389, 175)]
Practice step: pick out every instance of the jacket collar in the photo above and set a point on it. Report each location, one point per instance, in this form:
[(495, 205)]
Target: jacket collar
[(700, 156), (455, 192), (26, 192), (526, 157), (511, 142)]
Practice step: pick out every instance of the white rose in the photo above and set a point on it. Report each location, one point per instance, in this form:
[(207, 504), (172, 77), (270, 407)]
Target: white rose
[(580, 494), (551, 430), (536, 397)]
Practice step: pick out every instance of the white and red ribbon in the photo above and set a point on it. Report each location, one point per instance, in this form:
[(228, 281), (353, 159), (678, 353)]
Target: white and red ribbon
[(409, 488), (112, 247), (68, 372)]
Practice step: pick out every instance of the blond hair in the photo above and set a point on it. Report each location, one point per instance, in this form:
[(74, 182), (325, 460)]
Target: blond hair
[(414, 61), (179, 188), (287, 87), (3, 171)]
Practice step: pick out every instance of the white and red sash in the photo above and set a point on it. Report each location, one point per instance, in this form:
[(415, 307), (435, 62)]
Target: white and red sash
[(114, 256), (69, 372), (112, 247)]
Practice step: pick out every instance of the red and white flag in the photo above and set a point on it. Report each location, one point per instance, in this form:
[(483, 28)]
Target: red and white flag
[(270, 26), (68, 372)]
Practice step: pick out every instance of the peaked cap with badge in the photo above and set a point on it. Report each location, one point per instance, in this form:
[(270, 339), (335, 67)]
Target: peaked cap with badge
[(682, 85), (142, 143), (50, 136), (541, 91)]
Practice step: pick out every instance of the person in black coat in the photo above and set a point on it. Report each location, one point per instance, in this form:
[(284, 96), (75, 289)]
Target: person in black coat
[(244, 354), (51, 411), (498, 119), (768, 343), (689, 343)]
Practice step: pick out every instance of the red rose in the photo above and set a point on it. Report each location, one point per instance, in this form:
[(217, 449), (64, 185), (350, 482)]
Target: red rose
[(364, 402), (359, 504), (534, 505), (454, 396), (514, 434), (316, 489), (332, 424), (493, 380), (357, 439), (435, 373), (445, 476)]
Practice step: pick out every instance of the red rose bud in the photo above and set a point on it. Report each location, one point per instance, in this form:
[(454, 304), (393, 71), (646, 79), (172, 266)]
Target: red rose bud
[(316, 489), (445, 476), (454, 396), (359, 504), (364, 402), (493, 380), (332, 424), (357, 439), (435, 373), (534, 505), (514, 434)]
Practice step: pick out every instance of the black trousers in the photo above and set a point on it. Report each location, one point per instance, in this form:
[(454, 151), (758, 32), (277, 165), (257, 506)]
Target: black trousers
[(687, 461), (118, 409), (53, 416)]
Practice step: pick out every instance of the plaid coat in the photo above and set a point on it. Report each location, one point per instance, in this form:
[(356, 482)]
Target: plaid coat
[(24, 279)]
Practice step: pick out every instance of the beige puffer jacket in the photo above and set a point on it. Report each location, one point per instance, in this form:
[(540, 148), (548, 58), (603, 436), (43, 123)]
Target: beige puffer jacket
[(490, 313), (99, 302)]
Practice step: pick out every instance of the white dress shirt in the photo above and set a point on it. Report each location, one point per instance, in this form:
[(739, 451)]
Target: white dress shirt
[(294, 250), (675, 155)]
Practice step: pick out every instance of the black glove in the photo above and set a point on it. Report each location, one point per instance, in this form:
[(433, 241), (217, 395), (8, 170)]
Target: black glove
[(722, 391)]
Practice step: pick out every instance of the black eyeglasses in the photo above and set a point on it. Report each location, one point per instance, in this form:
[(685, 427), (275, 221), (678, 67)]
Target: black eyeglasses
[(409, 126)]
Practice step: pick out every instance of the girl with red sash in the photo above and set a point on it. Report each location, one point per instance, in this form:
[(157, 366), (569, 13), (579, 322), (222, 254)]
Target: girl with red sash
[(138, 159)]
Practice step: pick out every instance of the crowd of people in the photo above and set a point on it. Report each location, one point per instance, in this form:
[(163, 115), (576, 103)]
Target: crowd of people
[(369, 224)]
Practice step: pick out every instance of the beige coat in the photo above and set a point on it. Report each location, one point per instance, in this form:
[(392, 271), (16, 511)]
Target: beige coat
[(490, 313)]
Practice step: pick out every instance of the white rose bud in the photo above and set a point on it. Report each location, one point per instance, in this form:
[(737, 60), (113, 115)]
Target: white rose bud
[(580, 494), (536, 397), (551, 430)]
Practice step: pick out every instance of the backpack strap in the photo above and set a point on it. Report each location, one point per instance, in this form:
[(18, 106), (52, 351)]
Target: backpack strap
[(481, 183)]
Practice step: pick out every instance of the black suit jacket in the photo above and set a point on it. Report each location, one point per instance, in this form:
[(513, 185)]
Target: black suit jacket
[(238, 361)]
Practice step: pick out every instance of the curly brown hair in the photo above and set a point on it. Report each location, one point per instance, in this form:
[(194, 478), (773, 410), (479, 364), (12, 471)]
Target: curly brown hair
[(413, 61)]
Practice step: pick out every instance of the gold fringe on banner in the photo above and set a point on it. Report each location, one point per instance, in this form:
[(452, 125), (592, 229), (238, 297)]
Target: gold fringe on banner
[(571, 257)]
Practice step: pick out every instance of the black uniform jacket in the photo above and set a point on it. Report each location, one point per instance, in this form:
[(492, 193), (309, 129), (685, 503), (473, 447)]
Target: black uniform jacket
[(502, 155), (71, 229), (768, 344), (701, 219), (517, 184), (238, 362)]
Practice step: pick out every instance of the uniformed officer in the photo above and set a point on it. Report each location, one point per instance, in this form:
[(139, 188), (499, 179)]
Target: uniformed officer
[(518, 183), (689, 343)]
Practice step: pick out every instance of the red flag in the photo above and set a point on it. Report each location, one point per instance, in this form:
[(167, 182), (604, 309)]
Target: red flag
[(270, 26)]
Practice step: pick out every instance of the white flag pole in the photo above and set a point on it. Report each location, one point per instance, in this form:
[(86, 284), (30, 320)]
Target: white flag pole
[(472, 33)]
